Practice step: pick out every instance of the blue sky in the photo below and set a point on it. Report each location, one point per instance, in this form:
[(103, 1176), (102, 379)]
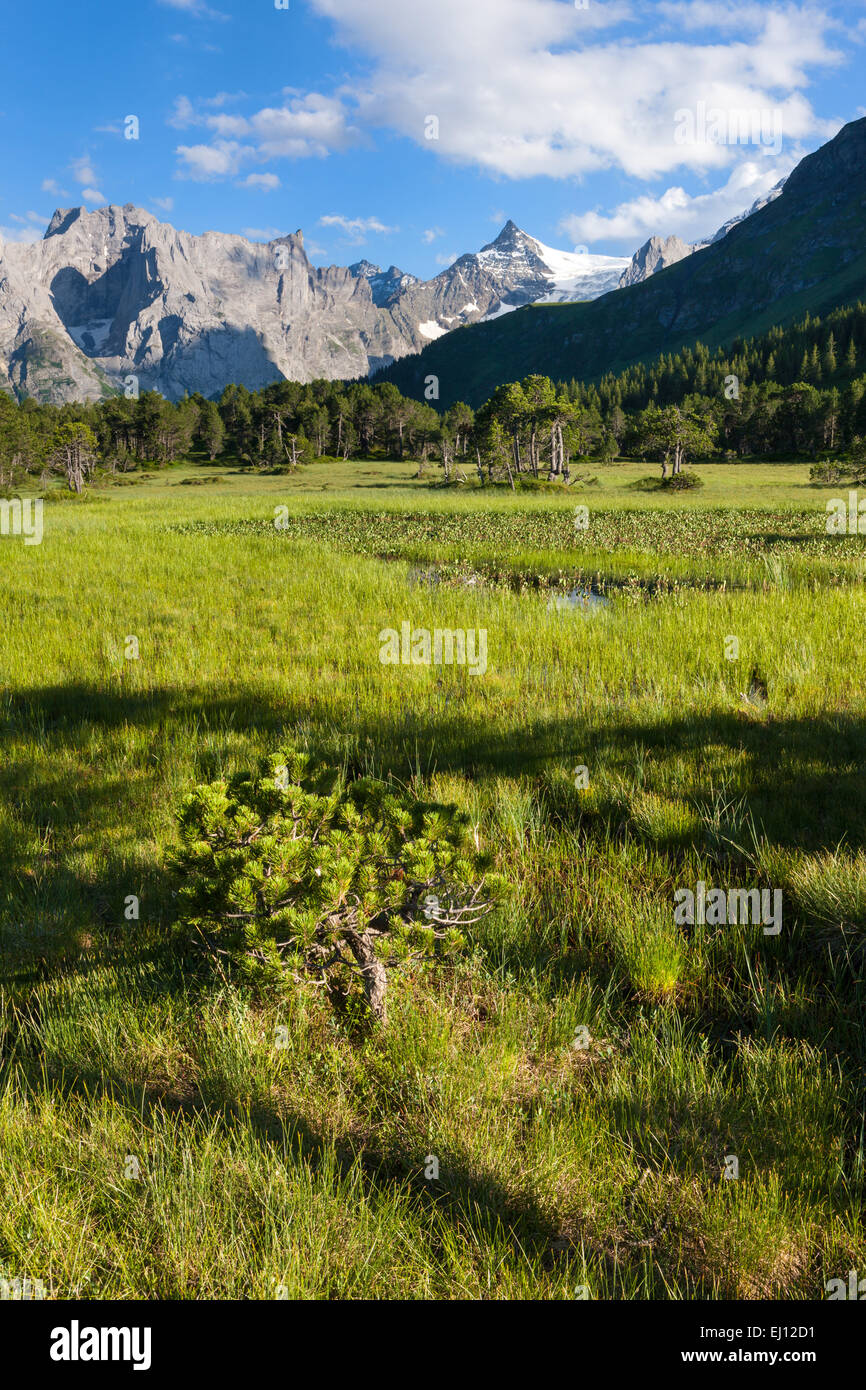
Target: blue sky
[(408, 131)]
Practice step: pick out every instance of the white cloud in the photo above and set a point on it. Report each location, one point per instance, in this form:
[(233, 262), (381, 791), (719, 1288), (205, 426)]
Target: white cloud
[(306, 126), (222, 98), (522, 88), (215, 161), (356, 228), (431, 234), (51, 186), (261, 233), (197, 8), (83, 170), (27, 233), (310, 125), (183, 115), (164, 204), (92, 195), (694, 15), (676, 212), (449, 259), (28, 228), (30, 217), (266, 182), (537, 87)]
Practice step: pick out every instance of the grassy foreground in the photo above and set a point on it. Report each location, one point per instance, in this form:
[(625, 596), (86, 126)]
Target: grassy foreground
[(584, 1070)]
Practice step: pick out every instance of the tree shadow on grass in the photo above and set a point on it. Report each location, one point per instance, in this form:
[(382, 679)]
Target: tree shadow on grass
[(803, 777)]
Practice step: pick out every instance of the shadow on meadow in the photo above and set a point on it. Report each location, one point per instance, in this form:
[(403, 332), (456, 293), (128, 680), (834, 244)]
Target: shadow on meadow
[(801, 781), (801, 778)]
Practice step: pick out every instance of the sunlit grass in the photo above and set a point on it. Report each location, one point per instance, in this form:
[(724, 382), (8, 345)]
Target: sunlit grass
[(581, 1073)]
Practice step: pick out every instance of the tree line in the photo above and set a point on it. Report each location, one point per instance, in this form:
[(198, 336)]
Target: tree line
[(738, 403)]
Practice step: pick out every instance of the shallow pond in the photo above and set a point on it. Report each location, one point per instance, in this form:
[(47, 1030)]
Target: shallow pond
[(578, 601)]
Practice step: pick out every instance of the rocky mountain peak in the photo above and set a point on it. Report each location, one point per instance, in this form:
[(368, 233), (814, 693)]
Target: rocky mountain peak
[(108, 220), (654, 255), (511, 238), (365, 269), (61, 221)]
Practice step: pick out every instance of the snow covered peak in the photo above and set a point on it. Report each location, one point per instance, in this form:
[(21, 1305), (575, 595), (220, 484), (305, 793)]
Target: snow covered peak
[(741, 217), (555, 276), (579, 274)]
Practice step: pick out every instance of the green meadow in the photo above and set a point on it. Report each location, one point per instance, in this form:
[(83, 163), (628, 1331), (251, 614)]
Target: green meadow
[(586, 1069)]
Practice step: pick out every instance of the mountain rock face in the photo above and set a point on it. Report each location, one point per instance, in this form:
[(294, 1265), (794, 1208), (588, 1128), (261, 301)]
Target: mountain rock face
[(115, 293), (802, 251), (385, 286), (654, 255)]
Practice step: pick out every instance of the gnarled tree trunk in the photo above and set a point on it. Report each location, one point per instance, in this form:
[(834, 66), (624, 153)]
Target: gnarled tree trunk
[(373, 974)]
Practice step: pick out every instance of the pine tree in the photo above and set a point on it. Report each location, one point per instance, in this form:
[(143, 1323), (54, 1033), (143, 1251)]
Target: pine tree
[(302, 870), (829, 363)]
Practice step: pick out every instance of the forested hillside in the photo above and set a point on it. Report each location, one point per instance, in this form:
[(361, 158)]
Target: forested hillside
[(802, 253)]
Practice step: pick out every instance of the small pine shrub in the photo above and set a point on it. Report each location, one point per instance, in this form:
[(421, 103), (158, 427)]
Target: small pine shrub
[(681, 482), (302, 871), (676, 482), (835, 471)]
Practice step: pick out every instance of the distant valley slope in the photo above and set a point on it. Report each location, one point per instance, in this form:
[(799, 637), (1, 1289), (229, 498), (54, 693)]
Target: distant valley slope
[(802, 250)]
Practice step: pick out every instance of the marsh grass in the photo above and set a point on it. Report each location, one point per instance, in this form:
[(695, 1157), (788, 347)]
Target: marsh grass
[(301, 1167)]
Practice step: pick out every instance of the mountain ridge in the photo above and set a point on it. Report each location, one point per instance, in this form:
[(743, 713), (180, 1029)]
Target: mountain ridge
[(803, 250), (115, 299), (116, 293)]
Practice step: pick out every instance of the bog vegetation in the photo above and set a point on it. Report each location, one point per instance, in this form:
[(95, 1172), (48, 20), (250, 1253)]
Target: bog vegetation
[(335, 979)]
